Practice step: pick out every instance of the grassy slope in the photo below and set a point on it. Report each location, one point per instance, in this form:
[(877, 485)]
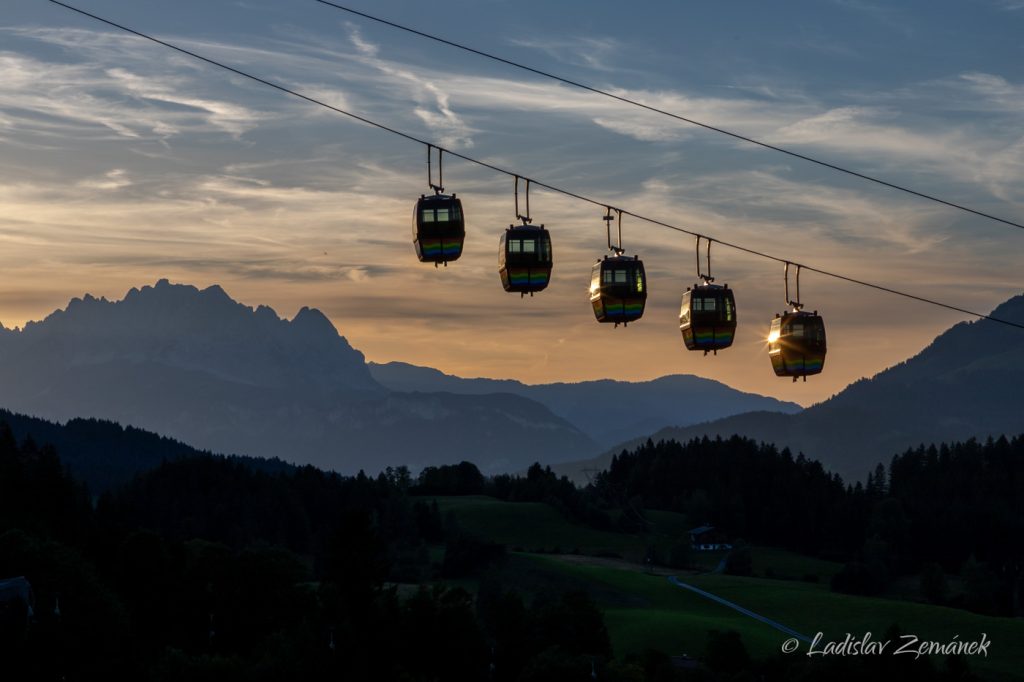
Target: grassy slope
[(533, 526), (676, 621), (537, 527), (646, 611), (810, 609)]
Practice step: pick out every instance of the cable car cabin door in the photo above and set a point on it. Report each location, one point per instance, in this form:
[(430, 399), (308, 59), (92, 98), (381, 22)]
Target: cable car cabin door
[(438, 228)]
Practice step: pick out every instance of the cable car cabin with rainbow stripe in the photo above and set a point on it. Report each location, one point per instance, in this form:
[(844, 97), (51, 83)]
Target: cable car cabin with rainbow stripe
[(796, 344), (707, 317), (524, 259), (438, 228), (618, 289)]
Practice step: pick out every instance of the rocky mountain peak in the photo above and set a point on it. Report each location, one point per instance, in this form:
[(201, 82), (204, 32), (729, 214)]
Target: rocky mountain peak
[(181, 326)]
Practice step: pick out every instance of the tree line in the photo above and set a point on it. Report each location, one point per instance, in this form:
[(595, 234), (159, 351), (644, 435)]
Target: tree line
[(209, 569), (206, 569), (946, 513), (936, 511)]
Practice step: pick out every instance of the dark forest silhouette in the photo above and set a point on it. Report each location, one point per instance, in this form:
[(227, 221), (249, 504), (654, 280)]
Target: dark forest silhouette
[(208, 568), (953, 509)]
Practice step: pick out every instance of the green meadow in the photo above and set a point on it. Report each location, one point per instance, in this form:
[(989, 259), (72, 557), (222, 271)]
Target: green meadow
[(534, 526), (539, 528), (644, 610)]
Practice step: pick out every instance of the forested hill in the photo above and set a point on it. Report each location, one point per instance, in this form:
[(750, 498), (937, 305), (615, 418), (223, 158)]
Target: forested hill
[(105, 455), (204, 569), (952, 509), (207, 569), (965, 384)]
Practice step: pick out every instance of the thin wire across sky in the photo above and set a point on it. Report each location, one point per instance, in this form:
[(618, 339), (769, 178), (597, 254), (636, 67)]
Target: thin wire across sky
[(678, 117), (550, 187)]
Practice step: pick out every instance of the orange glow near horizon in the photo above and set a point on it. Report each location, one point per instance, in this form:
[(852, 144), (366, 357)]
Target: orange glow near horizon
[(147, 166), (513, 344)]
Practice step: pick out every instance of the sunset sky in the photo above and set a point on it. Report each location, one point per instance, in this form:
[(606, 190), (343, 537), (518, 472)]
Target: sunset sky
[(122, 162)]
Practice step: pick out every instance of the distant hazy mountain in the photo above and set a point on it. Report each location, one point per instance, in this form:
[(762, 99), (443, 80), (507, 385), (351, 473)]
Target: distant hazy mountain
[(205, 332), (969, 382), (609, 411), (197, 366)]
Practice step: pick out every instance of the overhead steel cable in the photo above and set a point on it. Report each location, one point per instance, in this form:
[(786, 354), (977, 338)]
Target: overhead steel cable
[(678, 117), (513, 174)]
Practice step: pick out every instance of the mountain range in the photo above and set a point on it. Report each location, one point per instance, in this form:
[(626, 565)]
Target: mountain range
[(966, 384), (609, 411), (199, 367)]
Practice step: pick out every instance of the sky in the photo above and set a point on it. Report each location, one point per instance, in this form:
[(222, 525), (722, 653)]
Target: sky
[(122, 162)]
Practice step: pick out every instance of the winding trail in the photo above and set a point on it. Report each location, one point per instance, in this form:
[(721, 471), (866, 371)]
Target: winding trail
[(736, 607)]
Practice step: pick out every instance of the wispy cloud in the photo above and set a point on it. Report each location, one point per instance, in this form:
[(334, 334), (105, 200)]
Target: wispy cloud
[(164, 106), (364, 47), (433, 108), (222, 115), (865, 131), (111, 180), (996, 89), (768, 207), (593, 52), (50, 98)]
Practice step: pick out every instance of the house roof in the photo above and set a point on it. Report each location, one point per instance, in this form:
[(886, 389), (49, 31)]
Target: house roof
[(15, 588)]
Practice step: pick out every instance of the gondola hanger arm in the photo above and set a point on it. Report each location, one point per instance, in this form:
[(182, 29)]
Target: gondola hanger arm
[(519, 216), (797, 305), (439, 187), (608, 218), (708, 279)]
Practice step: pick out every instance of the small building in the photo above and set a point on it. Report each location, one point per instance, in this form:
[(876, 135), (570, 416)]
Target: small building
[(684, 662), (708, 538), (16, 604)]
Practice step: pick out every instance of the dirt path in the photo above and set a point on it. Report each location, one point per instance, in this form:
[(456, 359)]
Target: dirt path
[(736, 607), (673, 577)]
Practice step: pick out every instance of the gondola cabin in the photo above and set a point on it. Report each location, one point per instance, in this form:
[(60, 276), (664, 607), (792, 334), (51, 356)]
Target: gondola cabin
[(438, 228), (796, 344), (707, 317), (524, 259), (618, 289)]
